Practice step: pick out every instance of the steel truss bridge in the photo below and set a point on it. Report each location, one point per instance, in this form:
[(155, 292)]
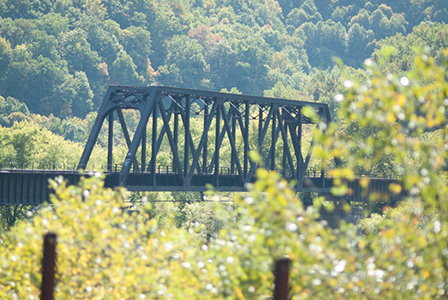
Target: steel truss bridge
[(229, 127)]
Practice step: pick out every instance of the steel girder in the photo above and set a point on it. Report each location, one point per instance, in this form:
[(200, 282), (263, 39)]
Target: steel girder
[(236, 120)]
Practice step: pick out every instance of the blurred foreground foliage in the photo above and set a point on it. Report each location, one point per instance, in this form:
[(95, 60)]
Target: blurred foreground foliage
[(107, 252)]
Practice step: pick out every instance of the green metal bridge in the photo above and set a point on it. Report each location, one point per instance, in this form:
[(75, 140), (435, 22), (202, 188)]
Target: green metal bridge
[(241, 122)]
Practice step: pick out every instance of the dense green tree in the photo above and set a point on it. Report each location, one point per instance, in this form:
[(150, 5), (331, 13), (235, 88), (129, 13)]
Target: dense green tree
[(297, 17), (123, 70), (136, 42), (358, 44), (54, 24), (10, 106), (185, 64), (77, 52), (338, 15), (362, 18), (433, 37), (76, 91), (21, 140), (288, 67), (74, 130), (309, 7), (222, 60), (40, 77), (283, 92)]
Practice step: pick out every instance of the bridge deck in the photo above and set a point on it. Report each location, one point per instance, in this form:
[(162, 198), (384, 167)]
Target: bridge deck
[(30, 187)]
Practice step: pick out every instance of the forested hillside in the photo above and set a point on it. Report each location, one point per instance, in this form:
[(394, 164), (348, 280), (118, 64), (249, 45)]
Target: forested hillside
[(58, 57)]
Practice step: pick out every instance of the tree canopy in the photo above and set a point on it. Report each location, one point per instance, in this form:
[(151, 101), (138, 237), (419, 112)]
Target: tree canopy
[(63, 54)]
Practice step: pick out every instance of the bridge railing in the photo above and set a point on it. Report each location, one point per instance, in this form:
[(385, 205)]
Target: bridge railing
[(36, 166), (160, 169)]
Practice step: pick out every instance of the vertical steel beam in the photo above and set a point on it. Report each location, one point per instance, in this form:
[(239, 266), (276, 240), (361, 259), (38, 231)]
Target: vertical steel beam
[(273, 137), (187, 134), (285, 145), (143, 151), (246, 138), (260, 126), (204, 153), (233, 151), (110, 141), (299, 148), (154, 145), (176, 134), (217, 145), (162, 132)]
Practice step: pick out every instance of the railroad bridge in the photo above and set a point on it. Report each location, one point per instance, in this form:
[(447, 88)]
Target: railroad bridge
[(230, 126)]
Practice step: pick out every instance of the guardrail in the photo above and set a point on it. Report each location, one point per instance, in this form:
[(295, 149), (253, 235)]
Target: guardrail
[(160, 169)]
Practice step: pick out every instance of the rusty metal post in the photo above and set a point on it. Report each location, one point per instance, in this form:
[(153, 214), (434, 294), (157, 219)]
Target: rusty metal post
[(48, 267), (281, 281)]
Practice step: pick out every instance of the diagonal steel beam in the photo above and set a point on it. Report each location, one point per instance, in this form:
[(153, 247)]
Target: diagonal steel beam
[(126, 135), (232, 144), (161, 134), (307, 160), (260, 142), (221, 137), (144, 113), (102, 113), (201, 143), (286, 145), (189, 143), (273, 142), (170, 137)]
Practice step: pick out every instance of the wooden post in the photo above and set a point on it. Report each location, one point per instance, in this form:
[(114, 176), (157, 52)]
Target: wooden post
[(281, 281), (48, 267)]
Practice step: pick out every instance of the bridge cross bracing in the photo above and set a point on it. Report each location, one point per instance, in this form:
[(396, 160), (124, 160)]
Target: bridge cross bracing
[(228, 119)]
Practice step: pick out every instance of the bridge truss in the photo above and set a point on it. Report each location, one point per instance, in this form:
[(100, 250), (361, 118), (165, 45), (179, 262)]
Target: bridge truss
[(240, 122), (208, 136)]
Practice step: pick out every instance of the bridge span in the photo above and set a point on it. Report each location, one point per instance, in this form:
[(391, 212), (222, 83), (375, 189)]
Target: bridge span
[(273, 127)]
